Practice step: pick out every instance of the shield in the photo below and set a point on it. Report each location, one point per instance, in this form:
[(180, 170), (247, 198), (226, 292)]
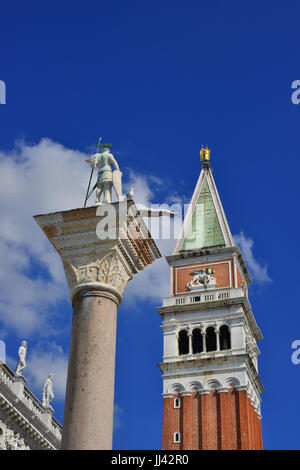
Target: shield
[(117, 182)]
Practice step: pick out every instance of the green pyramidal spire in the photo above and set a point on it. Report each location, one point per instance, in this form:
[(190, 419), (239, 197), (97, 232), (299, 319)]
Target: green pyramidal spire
[(204, 229), (205, 224)]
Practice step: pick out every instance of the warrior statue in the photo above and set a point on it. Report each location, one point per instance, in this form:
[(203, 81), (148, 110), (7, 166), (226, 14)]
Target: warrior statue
[(106, 177), (48, 394), (22, 358)]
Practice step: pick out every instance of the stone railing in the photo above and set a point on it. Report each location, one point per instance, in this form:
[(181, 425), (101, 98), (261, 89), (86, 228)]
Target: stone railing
[(210, 296), (56, 429), (16, 384), (32, 403), (6, 377)]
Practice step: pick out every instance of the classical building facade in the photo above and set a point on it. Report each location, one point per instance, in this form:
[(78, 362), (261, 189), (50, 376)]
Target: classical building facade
[(211, 386), (25, 423)]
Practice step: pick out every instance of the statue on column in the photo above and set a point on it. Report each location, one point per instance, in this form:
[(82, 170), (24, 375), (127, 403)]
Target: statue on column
[(106, 177), (48, 394), (22, 358)]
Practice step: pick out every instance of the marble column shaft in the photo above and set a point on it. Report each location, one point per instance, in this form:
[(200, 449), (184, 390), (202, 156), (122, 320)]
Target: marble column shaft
[(88, 418)]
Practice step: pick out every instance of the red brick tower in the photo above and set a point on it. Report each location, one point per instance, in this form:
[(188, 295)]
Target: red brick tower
[(211, 386)]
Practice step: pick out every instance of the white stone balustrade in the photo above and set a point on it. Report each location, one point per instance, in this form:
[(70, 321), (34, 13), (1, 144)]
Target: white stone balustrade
[(32, 403), (6, 377), (210, 296), (14, 394)]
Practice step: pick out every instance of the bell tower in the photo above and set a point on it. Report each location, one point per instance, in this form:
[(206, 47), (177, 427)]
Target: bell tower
[(211, 386)]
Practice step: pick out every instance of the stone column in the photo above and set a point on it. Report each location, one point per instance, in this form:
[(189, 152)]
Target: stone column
[(203, 333), (217, 331), (91, 372), (190, 336), (100, 254)]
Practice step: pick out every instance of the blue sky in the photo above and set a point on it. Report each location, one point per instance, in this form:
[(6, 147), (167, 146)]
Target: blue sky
[(157, 79)]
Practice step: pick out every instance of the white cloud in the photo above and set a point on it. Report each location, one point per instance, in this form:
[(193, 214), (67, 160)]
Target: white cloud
[(151, 284), (257, 271), (47, 177), (142, 192), (154, 282), (34, 179)]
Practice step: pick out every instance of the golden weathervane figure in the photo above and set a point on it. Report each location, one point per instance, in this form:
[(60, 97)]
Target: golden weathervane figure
[(204, 154)]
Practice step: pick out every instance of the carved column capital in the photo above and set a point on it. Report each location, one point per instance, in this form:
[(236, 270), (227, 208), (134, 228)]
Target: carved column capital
[(100, 247), (107, 272)]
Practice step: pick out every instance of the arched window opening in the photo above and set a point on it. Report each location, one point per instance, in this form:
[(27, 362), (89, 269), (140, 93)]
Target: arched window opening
[(183, 342), (176, 437), (224, 337), (177, 402), (197, 341), (211, 339)]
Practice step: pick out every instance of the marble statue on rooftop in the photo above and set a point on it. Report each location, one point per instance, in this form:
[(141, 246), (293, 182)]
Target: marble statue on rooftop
[(106, 177), (48, 394), (22, 358)]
